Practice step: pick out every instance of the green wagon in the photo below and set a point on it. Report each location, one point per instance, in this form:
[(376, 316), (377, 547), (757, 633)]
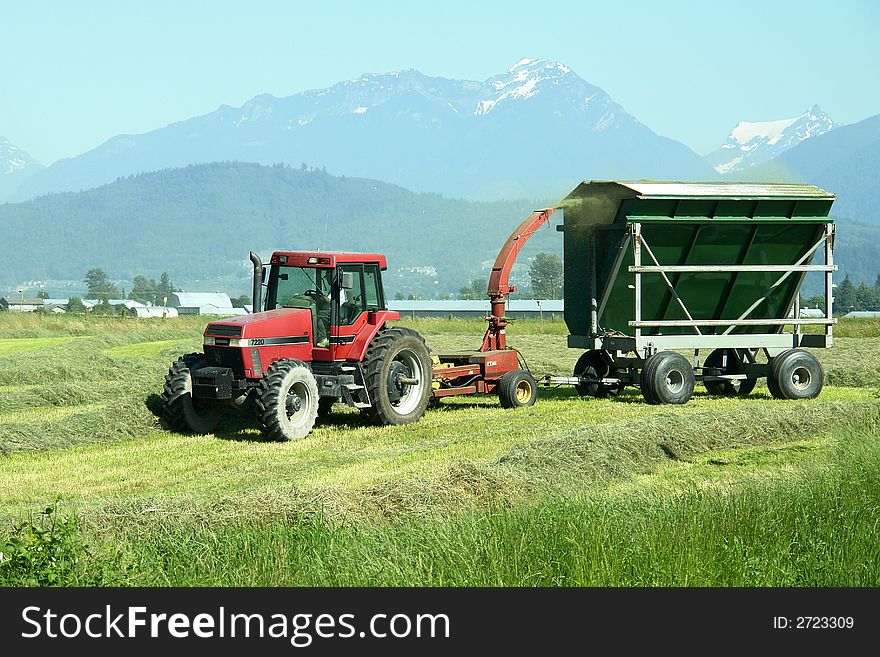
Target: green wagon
[(653, 269)]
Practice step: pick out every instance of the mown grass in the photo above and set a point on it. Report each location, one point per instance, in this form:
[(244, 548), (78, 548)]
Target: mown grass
[(353, 470), (8, 346), (78, 402), (733, 519), (34, 325)]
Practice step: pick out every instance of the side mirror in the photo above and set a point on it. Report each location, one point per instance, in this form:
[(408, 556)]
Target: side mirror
[(347, 280)]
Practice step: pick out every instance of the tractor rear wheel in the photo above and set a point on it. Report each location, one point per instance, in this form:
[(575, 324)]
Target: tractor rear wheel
[(287, 400), (517, 388), (740, 387), (181, 412), (397, 371), (667, 378)]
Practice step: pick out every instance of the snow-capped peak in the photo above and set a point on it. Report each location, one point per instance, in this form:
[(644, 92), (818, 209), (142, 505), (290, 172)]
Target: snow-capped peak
[(13, 158), (536, 66), (524, 79), (521, 63), (751, 143), (744, 132)]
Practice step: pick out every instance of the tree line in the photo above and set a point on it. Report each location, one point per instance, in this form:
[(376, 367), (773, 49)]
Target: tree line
[(101, 287), (545, 282), (143, 290), (849, 297)]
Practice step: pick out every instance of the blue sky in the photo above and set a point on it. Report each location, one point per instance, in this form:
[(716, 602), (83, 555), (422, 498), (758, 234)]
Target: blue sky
[(75, 74)]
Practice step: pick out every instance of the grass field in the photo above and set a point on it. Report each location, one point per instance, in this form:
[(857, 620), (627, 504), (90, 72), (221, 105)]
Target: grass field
[(570, 491)]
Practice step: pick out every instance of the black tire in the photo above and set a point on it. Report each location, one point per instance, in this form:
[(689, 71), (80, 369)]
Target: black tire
[(287, 401), (667, 378), (644, 376), (397, 353), (772, 388), (795, 374), (516, 389), (325, 405), (180, 411), (739, 387), (593, 364)]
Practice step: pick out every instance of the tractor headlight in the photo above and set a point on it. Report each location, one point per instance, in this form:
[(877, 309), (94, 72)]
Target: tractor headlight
[(209, 341), (238, 342)]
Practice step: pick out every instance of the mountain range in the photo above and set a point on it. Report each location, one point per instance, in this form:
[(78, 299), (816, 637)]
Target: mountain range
[(528, 131)]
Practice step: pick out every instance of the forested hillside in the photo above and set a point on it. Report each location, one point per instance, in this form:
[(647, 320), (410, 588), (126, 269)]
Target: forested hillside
[(199, 222)]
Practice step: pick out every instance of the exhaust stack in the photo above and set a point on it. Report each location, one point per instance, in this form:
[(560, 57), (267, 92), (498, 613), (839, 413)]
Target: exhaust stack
[(257, 297)]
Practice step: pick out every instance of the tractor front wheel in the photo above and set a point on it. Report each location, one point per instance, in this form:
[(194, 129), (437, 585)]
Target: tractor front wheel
[(397, 369), (287, 401), (180, 410)]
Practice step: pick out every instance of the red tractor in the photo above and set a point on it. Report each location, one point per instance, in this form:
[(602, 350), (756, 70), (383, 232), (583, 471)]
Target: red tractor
[(322, 339), (321, 336)]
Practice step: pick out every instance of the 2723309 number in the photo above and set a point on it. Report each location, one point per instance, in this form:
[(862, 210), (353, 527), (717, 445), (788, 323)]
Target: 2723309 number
[(824, 622)]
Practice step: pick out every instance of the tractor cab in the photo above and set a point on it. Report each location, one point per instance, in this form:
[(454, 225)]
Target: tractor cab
[(339, 290)]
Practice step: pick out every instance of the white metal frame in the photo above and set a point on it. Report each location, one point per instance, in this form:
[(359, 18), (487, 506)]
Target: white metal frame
[(644, 345)]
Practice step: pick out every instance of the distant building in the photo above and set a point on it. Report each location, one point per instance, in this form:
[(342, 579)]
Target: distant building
[(57, 306), (21, 304), (203, 303), (864, 313), (147, 312)]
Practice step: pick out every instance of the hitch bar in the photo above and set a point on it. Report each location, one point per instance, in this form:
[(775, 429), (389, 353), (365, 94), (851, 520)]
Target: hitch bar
[(549, 380)]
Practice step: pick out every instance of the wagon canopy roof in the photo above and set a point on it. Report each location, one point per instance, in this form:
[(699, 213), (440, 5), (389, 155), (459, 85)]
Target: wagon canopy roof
[(728, 190), (653, 189), (601, 201)]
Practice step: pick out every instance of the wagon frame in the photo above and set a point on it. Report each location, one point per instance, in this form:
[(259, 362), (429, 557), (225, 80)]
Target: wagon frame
[(627, 209)]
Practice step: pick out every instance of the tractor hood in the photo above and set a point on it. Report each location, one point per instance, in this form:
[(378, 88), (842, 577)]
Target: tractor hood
[(268, 324)]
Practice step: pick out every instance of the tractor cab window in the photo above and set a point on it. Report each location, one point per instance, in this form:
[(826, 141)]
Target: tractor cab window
[(351, 302), (307, 288), (300, 287), (365, 294), (372, 292)]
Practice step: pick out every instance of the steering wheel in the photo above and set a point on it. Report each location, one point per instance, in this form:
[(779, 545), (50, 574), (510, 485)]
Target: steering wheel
[(314, 293)]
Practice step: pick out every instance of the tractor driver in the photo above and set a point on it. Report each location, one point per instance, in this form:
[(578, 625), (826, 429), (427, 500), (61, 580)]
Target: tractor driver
[(323, 281)]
